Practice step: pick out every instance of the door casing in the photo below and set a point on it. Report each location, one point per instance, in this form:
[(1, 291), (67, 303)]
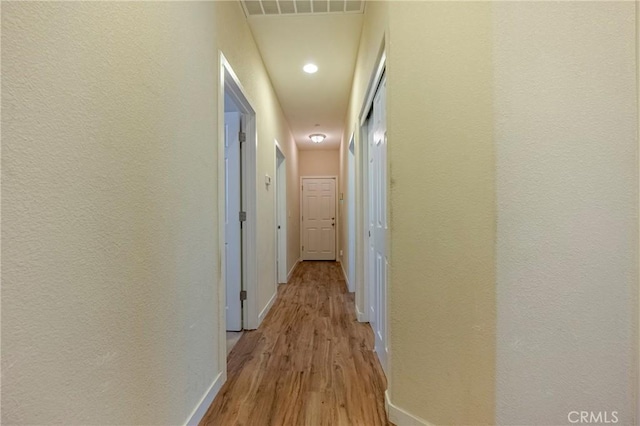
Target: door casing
[(336, 230), (362, 214), (229, 84)]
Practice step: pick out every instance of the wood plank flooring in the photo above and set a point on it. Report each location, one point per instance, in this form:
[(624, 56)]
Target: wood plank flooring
[(309, 363)]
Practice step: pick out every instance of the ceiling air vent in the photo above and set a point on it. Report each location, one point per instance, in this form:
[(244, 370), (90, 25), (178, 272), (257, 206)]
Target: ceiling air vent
[(301, 7)]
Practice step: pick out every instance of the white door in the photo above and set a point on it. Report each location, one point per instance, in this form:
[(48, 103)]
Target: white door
[(318, 219), (371, 210), (233, 245), (378, 260)]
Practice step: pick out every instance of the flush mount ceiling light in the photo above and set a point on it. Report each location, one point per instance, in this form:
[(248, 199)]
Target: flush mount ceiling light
[(317, 137), (310, 68)]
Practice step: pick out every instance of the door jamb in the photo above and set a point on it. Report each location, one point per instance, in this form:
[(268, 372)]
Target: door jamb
[(335, 212), (230, 84)]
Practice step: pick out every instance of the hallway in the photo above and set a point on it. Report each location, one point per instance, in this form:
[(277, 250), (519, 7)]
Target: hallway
[(310, 362)]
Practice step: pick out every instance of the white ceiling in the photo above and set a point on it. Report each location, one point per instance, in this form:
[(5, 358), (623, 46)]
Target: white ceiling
[(312, 103)]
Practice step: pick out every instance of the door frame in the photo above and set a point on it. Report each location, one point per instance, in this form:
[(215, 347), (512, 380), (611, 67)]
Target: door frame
[(335, 242), (362, 215), (230, 84), (281, 217), (233, 239)]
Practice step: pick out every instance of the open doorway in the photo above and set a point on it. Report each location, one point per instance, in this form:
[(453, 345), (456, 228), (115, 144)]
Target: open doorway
[(281, 216), (237, 208)]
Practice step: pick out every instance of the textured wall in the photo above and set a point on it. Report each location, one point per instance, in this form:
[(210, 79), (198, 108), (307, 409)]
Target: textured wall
[(566, 123), (442, 210), (319, 163), (109, 228), (109, 238)]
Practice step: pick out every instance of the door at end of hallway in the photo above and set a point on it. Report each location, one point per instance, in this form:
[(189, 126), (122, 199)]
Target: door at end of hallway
[(318, 218)]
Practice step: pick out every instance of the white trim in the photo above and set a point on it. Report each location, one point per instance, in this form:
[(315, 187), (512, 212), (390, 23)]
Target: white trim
[(230, 84), (267, 308), (293, 268), (346, 277), (222, 277), (207, 399), (251, 284), (362, 182), (401, 417), (373, 83), (362, 178), (336, 230), (360, 315)]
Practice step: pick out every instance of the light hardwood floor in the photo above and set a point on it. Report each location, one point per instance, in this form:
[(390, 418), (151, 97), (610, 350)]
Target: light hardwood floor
[(309, 363)]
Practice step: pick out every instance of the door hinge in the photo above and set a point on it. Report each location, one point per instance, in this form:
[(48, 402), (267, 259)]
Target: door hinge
[(242, 216), (302, 248), (243, 295), (242, 136), (303, 187)]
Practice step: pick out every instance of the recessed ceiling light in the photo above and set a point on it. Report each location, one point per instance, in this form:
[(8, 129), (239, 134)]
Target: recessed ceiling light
[(310, 68), (317, 137)]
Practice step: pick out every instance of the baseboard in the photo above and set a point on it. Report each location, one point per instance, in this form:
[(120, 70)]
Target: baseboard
[(207, 399), (346, 278), (400, 417), (360, 315), (266, 309), (293, 268)]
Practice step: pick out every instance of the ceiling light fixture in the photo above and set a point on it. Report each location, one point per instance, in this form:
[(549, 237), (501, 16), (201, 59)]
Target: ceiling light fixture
[(310, 68), (317, 137)]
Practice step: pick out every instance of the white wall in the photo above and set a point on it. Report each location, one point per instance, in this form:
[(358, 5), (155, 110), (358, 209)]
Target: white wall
[(567, 181), (111, 269), (109, 225)]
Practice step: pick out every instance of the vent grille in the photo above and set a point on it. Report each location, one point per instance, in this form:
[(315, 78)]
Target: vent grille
[(301, 7)]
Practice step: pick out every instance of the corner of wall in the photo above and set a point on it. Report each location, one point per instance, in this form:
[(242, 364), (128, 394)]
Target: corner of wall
[(401, 417), (207, 399)]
